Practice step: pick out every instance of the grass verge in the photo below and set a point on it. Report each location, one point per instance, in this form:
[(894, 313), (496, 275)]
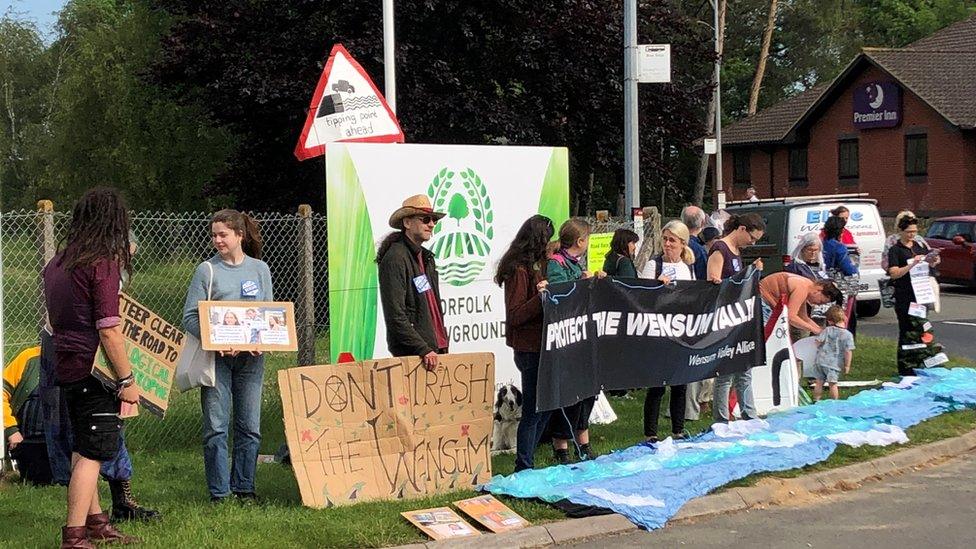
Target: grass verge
[(173, 482)]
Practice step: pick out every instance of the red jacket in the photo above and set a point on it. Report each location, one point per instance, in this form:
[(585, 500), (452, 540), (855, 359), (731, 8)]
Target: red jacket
[(523, 311)]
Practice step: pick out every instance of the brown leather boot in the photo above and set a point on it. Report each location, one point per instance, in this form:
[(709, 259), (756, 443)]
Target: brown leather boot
[(75, 537), (100, 530)]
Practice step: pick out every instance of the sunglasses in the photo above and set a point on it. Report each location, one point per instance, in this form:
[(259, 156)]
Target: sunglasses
[(425, 219)]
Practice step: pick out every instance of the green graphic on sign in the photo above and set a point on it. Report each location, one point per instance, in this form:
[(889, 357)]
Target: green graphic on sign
[(462, 241)]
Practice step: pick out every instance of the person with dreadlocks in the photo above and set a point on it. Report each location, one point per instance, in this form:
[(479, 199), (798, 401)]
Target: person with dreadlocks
[(81, 292), (234, 273), (58, 436)]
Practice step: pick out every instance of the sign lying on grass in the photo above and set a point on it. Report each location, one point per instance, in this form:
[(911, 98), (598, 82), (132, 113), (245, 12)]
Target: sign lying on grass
[(388, 428), (153, 347)]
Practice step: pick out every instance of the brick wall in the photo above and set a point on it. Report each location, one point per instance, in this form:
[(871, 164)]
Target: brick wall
[(949, 188)]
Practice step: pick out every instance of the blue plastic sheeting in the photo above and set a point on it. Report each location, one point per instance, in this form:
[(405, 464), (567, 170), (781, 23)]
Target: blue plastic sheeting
[(649, 484)]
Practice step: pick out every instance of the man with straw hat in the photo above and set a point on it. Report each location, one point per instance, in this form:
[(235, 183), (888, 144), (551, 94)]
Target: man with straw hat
[(409, 288)]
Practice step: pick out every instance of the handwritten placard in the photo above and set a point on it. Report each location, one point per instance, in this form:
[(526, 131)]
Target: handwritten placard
[(248, 326), (388, 428), (922, 284), (440, 523), (153, 347)]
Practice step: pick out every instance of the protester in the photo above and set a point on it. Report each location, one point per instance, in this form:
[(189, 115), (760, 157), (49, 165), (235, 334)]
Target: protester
[(81, 293), (708, 236), (697, 221), (619, 261), (572, 422), (724, 260), (905, 254), (521, 272), (894, 237), (800, 292), (835, 254), (675, 263), (846, 237), (234, 273), (23, 421), (57, 433), (807, 262), (808, 259), (835, 347), (409, 287)]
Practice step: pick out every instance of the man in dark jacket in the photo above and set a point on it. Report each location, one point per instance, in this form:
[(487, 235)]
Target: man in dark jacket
[(409, 287)]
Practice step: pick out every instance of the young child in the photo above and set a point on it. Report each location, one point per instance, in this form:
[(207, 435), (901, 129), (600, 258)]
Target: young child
[(835, 348)]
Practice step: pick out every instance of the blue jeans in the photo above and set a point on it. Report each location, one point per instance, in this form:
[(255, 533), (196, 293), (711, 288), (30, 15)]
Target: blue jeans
[(57, 428), (743, 386), (532, 424), (238, 386)]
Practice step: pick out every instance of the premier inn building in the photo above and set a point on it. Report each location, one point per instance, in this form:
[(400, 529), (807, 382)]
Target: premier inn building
[(898, 124)]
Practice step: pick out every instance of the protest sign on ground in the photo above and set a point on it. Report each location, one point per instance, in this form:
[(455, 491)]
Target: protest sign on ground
[(153, 347), (440, 523), (388, 428), (248, 326), (492, 514)]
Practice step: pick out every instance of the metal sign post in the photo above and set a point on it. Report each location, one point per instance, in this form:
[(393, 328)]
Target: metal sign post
[(389, 60), (631, 154)]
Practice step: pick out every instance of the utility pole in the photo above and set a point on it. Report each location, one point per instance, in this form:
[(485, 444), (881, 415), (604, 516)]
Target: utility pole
[(389, 61), (719, 193), (631, 150)]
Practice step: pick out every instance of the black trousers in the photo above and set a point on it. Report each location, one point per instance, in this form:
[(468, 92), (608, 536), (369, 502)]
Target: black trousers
[(652, 409), (906, 366), (577, 416)]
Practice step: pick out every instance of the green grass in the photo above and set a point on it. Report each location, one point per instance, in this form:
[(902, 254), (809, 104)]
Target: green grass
[(172, 481)]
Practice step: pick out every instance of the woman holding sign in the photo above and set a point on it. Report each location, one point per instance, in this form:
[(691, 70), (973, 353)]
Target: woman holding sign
[(235, 273), (676, 263), (522, 272), (903, 257), (572, 422), (724, 260)]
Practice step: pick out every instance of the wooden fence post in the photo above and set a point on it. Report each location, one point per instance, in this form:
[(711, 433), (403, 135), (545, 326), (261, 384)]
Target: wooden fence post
[(47, 246), (652, 237), (305, 307)]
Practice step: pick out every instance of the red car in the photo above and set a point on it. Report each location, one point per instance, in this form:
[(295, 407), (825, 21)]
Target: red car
[(955, 237)]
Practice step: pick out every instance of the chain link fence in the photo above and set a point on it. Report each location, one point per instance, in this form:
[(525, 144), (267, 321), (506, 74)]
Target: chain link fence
[(169, 247)]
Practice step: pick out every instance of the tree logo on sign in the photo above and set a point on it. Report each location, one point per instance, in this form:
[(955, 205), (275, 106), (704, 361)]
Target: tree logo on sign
[(462, 241)]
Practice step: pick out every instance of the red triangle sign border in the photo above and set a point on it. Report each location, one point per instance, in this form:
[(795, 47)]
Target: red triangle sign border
[(303, 153)]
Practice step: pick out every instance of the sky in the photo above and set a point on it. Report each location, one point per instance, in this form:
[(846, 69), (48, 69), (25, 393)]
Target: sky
[(41, 11)]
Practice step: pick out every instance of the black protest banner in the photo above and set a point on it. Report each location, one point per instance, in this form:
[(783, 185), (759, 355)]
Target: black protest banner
[(627, 333)]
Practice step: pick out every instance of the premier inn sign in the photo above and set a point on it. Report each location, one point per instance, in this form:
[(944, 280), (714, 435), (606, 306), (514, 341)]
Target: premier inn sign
[(877, 105)]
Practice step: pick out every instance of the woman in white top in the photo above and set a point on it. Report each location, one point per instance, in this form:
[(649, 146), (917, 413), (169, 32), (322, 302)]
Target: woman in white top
[(674, 264)]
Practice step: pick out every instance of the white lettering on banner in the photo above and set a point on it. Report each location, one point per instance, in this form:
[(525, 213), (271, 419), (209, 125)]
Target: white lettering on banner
[(566, 332), (691, 325)]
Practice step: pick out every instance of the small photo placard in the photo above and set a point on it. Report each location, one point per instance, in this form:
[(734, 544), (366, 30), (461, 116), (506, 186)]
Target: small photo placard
[(492, 514), (440, 523), (248, 326)]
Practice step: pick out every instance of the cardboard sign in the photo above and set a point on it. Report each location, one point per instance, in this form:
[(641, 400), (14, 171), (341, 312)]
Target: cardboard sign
[(248, 325), (153, 347), (440, 523), (492, 514), (388, 428)]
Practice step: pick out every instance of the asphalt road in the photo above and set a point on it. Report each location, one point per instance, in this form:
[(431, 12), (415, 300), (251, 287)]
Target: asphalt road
[(955, 326), (931, 508)]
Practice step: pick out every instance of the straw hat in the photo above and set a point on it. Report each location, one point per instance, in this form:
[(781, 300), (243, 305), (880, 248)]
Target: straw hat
[(415, 205)]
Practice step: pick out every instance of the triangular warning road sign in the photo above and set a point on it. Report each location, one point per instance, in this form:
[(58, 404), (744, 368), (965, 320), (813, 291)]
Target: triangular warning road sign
[(346, 107)]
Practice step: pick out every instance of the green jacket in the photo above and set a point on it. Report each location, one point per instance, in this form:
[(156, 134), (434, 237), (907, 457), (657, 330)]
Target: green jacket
[(619, 266), (563, 267), (20, 379), (409, 327)]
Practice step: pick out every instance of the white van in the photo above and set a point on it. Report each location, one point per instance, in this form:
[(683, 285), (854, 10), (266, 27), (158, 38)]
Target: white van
[(788, 219)]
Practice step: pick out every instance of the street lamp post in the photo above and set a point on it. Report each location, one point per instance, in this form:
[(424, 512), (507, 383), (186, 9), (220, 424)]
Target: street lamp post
[(389, 61)]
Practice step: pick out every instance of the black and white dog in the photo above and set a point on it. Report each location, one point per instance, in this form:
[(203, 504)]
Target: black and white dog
[(508, 412)]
